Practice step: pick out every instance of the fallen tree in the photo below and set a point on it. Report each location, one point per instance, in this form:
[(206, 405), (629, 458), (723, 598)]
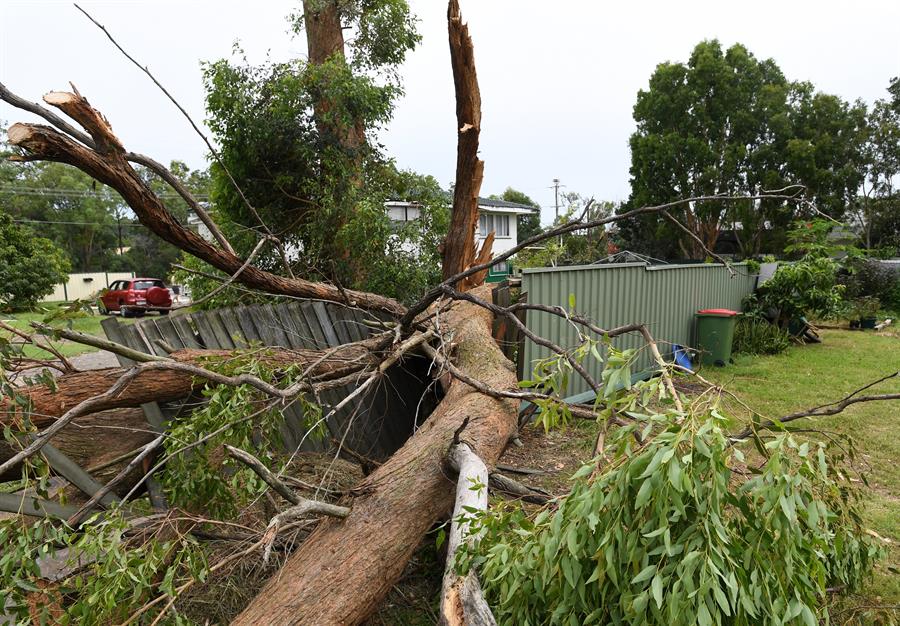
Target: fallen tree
[(344, 569), (176, 376)]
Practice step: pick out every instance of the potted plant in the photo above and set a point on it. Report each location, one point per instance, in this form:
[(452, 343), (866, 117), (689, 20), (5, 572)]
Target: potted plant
[(866, 309)]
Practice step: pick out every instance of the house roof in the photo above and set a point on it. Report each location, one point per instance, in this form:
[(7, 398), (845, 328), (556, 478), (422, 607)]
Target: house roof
[(506, 207), (485, 204)]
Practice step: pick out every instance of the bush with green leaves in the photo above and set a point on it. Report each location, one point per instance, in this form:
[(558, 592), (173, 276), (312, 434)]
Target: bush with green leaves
[(806, 288), (756, 336), (673, 525), (30, 266)]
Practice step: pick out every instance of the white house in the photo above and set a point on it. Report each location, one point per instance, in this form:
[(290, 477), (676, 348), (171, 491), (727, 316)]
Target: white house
[(499, 216)]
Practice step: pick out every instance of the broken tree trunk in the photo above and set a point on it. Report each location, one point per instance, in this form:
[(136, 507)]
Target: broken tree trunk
[(459, 246), (107, 163), (462, 601), (344, 569), (161, 385), (99, 443)]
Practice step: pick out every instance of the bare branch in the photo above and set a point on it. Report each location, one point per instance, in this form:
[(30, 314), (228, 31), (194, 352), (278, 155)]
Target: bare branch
[(98, 342), (570, 226), (196, 128), (821, 411)]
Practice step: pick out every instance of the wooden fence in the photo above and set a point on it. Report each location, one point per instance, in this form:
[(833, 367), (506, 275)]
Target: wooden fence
[(373, 426)]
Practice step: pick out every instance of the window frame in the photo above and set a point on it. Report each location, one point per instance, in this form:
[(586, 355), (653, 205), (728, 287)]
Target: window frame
[(488, 222)]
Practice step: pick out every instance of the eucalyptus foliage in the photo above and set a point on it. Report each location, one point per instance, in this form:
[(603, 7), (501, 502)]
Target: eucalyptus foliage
[(112, 571), (301, 140), (111, 568), (198, 476), (673, 525)]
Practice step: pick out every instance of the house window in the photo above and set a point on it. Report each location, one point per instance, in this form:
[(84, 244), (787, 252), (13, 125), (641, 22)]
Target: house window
[(497, 223)]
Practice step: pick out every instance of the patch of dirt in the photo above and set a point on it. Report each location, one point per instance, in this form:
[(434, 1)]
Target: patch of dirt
[(557, 454)]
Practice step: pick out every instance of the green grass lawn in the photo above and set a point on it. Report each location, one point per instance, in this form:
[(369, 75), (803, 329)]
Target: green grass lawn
[(812, 375), (80, 321)]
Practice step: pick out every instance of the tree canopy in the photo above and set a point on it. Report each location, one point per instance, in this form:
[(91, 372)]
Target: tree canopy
[(30, 266), (299, 137), (727, 123)]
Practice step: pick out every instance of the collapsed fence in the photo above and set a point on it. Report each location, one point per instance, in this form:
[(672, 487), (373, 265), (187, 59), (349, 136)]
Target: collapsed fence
[(374, 425)]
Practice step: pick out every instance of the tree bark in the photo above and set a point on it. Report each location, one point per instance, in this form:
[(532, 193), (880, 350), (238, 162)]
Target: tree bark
[(96, 440), (462, 601), (345, 568), (459, 246), (48, 403)]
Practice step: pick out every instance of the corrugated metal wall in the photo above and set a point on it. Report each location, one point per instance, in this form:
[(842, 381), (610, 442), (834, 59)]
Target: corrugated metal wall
[(664, 297), (83, 286)]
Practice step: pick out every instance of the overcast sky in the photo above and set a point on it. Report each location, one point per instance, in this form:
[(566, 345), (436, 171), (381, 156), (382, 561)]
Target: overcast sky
[(558, 79)]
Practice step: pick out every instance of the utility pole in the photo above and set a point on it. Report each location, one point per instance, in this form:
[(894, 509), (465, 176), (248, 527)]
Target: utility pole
[(556, 204), (556, 196)]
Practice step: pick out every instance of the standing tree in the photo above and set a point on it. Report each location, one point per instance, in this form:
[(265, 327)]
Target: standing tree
[(727, 123), (30, 266), (877, 199), (299, 139)]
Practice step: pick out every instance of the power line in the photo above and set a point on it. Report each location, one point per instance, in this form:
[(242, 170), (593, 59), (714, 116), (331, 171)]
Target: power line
[(76, 223), (75, 193)]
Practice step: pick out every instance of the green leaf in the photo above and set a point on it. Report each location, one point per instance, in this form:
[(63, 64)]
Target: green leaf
[(645, 574), (644, 493), (657, 589)]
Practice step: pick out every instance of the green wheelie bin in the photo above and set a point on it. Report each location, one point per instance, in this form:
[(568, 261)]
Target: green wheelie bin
[(715, 334)]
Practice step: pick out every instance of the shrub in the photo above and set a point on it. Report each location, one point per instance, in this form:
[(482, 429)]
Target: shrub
[(869, 278), (807, 287), (30, 266), (757, 336)]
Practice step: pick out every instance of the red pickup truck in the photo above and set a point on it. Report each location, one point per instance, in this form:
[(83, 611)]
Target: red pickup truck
[(135, 297)]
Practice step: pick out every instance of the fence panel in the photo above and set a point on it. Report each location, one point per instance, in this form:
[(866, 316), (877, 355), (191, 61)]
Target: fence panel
[(664, 297), (374, 425)]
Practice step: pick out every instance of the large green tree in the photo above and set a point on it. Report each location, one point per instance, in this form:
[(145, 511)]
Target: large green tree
[(727, 123), (299, 137), (876, 207), (30, 266)]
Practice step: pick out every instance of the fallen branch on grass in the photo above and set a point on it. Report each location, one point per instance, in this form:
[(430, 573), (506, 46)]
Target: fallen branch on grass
[(832, 408)]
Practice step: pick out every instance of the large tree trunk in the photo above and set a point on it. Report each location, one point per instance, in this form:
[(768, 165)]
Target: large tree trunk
[(459, 246), (161, 385), (324, 42), (346, 567), (96, 440)]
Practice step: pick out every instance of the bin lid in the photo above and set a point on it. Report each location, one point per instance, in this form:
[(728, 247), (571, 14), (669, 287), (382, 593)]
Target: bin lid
[(722, 312)]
